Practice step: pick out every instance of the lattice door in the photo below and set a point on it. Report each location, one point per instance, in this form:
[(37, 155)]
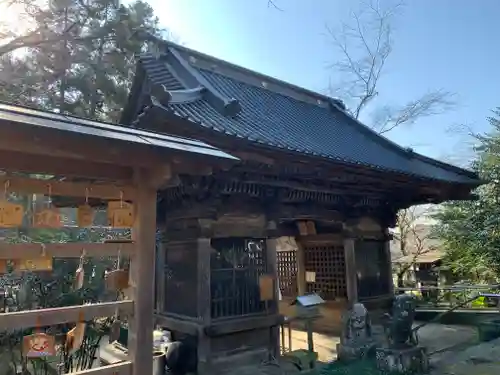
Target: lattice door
[(236, 265), (329, 264), (287, 272)]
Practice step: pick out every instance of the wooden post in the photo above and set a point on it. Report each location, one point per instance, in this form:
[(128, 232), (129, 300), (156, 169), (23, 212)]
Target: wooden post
[(160, 278), (350, 271), (387, 249), (142, 274), (301, 269), (204, 301), (273, 271)]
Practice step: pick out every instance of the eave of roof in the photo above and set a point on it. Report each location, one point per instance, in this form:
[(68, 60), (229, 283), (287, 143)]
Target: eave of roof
[(223, 87), (430, 257), (44, 119)]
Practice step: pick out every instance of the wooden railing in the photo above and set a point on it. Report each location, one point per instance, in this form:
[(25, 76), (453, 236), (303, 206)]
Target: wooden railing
[(138, 308), (447, 297), (70, 314)]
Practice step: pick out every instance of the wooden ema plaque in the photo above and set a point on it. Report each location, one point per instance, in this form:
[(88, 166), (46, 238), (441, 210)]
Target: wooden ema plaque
[(39, 345), (36, 264), (11, 214), (120, 214), (116, 280), (85, 216), (266, 286), (48, 218)]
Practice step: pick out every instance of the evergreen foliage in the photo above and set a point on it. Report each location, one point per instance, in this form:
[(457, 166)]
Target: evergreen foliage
[(470, 230)]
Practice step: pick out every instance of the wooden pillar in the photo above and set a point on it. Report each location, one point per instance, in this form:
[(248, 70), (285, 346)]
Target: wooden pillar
[(204, 300), (142, 277), (387, 249), (272, 270), (350, 270), (305, 228), (160, 278), (301, 269)]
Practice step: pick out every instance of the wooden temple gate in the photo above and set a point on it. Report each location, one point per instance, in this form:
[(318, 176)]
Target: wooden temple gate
[(94, 163)]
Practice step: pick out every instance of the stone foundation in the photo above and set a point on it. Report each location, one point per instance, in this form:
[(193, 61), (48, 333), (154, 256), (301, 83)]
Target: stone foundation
[(410, 360)]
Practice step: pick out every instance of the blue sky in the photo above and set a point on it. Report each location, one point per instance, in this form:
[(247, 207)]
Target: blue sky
[(445, 44)]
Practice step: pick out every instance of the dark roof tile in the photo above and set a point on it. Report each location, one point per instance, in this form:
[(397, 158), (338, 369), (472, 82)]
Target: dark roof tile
[(278, 120)]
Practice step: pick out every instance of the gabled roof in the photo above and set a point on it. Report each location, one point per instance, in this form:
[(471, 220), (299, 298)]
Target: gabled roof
[(214, 94)]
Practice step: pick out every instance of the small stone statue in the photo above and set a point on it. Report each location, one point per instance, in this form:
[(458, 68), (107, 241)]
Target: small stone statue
[(398, 324), (356, 340), (403, 355)]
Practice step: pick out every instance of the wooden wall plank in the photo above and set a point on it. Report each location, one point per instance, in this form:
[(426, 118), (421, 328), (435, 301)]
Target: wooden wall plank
[(68, 189), (59, 315), (64, 250), (122, 368)]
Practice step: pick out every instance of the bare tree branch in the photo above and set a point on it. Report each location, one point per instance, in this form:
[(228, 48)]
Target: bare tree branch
[(365, 44), (430, 104), (272, 4), (414, 239)]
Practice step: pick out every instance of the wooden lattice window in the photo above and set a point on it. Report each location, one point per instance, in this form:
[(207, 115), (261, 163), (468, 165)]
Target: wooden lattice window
[(328, 262), (236, 266), (287, 272)]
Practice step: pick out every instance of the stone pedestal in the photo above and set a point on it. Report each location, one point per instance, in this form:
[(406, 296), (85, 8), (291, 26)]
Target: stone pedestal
[(409, 360), (348, 353)]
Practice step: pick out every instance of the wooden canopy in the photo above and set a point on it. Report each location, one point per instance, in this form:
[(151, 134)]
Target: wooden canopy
[(106, 162)]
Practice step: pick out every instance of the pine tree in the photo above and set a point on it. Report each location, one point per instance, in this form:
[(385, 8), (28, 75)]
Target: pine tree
[(87, 67)]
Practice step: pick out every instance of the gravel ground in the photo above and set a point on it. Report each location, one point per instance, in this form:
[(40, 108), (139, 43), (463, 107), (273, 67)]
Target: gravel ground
[(436, 337), (480, 359)]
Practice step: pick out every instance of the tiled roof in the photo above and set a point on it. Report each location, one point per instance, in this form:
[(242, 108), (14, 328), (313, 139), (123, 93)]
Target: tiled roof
[(270, 117)]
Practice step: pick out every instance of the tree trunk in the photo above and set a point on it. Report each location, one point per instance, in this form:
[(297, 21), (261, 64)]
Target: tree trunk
[(64, 66)]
